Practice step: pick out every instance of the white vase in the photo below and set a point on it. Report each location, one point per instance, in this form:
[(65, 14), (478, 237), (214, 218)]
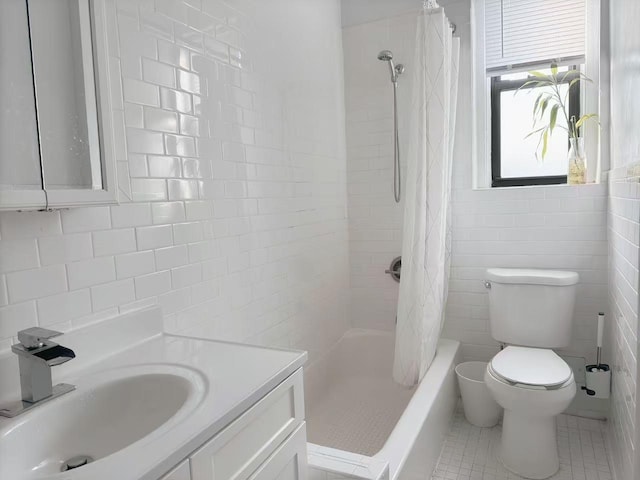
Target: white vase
[(577, 168)]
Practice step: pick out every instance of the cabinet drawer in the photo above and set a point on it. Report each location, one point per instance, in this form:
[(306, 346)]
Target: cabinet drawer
[(289, 461), (240, 448)]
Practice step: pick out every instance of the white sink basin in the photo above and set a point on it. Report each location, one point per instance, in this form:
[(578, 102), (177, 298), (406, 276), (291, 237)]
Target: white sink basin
[(108, 412)]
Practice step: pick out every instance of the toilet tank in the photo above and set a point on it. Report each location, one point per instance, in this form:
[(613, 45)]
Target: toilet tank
[(530, 307)]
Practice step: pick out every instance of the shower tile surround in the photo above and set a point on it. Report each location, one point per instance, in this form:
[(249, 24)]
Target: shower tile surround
[(233, 198)]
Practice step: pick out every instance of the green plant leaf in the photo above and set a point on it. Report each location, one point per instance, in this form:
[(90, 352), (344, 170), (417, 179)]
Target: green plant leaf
[(584, 77), (543, 106), (535, 73), (534, 132), (535, 83), (573, 82), (536, 105), (538, 144), (554, 69), (584, 118), (553, 116), (541, 83), (545, 143)]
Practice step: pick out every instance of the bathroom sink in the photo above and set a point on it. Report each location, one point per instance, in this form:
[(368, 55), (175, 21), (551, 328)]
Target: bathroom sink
[(107, 412)]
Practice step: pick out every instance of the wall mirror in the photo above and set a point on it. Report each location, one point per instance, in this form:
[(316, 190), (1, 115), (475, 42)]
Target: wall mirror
[(56, 146)]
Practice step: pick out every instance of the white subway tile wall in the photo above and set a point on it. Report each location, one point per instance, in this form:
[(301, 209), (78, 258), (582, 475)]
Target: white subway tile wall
[(375, 220), (232, 172), (625, 83), (561, 227), (234, 190), (622, 331), (624, 240)]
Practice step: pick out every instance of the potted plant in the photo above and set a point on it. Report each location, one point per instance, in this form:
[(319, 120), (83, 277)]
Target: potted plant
[(550, 103)]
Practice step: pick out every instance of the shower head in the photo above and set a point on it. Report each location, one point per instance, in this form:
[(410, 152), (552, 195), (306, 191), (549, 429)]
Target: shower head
[(385, 56), (395, 70)]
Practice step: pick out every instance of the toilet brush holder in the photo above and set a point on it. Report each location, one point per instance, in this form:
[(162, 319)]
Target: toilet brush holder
[(598, 380)]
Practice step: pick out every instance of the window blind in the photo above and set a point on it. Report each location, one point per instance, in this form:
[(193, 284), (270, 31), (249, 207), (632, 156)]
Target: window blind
[(526, 32)]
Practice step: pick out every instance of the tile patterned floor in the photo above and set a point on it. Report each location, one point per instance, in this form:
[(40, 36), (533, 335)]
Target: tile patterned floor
[(469, 452)]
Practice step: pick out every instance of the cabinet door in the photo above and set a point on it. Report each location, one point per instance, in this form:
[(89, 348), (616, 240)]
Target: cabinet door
[(19, 154), (181, 472), (289, 461), (237, 451), (56, 117)]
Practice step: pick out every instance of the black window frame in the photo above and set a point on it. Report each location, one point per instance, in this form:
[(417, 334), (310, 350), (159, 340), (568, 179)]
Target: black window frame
[(498, 86)]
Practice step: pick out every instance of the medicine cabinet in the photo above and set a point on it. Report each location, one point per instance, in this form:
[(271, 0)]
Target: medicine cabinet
[(56, 145)]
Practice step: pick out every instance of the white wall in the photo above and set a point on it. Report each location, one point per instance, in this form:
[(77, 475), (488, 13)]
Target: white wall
[(624, 238), (375, 220), (544, 227), (625, 82), (355, 12), (561, 227), (557, 227), (231, 167), (622, 331)]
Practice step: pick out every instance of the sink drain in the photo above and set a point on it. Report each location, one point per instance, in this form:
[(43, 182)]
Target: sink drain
[(76, 462)]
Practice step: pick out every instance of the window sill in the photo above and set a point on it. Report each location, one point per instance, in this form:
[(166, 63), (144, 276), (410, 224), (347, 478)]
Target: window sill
[(554, 186)]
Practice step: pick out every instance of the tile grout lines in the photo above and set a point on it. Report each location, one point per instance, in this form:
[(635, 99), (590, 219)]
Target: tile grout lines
[(469, 452)]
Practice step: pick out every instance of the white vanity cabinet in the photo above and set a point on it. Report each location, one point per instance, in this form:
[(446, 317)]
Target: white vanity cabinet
[(288, 462), (181, 472), (267, 442)]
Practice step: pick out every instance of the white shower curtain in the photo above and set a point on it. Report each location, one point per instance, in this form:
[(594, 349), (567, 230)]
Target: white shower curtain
[(426, 245)]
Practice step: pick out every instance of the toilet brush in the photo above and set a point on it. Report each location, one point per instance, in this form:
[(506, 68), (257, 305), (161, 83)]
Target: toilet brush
[(599, 339), (598, 376)]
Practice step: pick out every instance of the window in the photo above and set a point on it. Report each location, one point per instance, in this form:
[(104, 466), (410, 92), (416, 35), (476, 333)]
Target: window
[(512, 38), (515, 151)]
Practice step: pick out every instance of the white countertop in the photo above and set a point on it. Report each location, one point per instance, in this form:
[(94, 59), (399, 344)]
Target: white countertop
[(233, 377)]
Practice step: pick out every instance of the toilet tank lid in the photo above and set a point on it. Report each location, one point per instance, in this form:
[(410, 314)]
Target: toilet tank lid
[(530, 276)]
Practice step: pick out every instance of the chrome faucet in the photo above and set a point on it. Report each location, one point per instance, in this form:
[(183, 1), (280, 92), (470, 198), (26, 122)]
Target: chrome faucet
[(36, 355)]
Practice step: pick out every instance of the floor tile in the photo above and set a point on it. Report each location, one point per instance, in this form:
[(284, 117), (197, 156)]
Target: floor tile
[(469, 452)]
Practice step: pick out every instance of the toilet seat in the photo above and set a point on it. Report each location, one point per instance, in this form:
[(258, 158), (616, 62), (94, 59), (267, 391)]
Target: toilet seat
[(524, 386), (537, 368)]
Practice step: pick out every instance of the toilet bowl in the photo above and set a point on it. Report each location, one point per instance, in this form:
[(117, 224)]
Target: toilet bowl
[(531, 311), (533, 385)]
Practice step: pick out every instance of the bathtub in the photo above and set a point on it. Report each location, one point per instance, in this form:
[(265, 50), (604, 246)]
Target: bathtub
[(361, 424)]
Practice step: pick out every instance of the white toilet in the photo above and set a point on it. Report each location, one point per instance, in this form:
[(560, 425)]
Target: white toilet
[(531, 313)]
